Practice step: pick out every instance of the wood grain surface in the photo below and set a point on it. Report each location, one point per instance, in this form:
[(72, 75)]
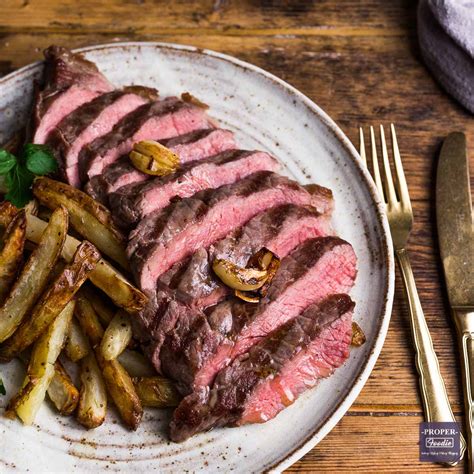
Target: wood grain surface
[(359, 61)]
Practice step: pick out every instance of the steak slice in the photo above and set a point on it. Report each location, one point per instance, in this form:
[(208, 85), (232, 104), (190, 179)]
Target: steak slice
[(200, 144), (70, 81), (170, 235), (191, 146), (118, 174), (197, 348), (154, 121), (89, 121), (186, 288), (275, 372), (132, 203)]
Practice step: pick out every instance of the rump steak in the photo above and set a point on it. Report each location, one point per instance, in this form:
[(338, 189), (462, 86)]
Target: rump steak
[(274, 373), (170, 235), (186, 288), (69, 81), (155, 121), (86, 123), (191, 146), (197, 348), (132, 203)]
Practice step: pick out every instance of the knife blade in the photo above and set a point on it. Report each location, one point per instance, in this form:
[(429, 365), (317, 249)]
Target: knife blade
[(454, 219), (456, 243)]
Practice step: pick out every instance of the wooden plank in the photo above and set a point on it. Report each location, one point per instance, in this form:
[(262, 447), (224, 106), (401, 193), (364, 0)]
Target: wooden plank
[(234, 17), (387, 443)]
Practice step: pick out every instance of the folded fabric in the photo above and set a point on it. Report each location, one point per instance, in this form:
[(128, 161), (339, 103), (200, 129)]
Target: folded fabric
[(446, 37)]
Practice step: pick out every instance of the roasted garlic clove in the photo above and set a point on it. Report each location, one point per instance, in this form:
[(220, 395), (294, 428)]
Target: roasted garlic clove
[(358, 336), (237, 278), (261, 259), (248, 297), (153, 158), (272, 269)]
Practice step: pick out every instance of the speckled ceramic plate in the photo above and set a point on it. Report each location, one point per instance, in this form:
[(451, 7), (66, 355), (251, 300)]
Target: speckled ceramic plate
[(268, 114)]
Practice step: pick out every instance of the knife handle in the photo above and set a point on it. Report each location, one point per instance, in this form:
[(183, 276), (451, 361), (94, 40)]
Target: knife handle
[(464, 318), (433, 391)]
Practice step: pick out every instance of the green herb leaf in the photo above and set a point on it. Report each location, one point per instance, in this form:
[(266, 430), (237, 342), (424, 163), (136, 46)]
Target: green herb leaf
[(19, 181), (39, 159), (2, 388), (7, 161)]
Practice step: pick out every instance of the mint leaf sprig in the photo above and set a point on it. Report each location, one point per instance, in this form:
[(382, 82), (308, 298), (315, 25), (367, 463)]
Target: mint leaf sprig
[(20, 171)]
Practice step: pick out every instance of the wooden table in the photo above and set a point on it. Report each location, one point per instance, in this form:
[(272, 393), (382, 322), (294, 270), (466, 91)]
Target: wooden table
[(359, 61)]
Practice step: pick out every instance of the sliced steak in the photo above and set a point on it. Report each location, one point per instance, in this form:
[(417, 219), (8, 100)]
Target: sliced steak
[(186, 288), (275, 372), (132, 203), (86, 123), (200, 144), (155, 121), (197, 348), (118, 174), (191, 146), (170, 235), (70, 81)]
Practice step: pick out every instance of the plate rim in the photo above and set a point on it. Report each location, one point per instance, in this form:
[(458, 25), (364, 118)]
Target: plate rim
[(366, 368)]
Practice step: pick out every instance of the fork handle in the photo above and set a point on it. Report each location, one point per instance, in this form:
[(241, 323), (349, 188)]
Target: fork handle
[(433, 391), (464, 318)]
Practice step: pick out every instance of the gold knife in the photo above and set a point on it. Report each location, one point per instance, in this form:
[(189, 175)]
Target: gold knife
[(456, 242)]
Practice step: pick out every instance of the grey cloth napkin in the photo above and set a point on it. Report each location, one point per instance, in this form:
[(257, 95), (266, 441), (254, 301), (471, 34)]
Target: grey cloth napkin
[(446, 37)]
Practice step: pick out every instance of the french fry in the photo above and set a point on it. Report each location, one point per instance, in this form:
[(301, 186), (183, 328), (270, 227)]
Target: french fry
[(53, 301), (92, 406), (7, 212), (117, 336), (136, 364), (50, 344), (119, 384), (35, 273), (102, 305), (88, 319), (62, 392), (105, 277), (121, 389), (11, 255), (157, 392), (90, 218), (77, 346), (41, 369)]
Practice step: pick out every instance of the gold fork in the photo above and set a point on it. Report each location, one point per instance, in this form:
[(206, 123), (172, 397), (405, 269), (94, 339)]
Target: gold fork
[(400, 217)]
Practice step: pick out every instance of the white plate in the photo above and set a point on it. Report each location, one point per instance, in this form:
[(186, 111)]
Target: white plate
[(268, 114)]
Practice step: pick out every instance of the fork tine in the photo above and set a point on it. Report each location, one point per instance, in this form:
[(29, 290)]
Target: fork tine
[(391, 195), (401, 182), (362, 146), (375, 164)]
